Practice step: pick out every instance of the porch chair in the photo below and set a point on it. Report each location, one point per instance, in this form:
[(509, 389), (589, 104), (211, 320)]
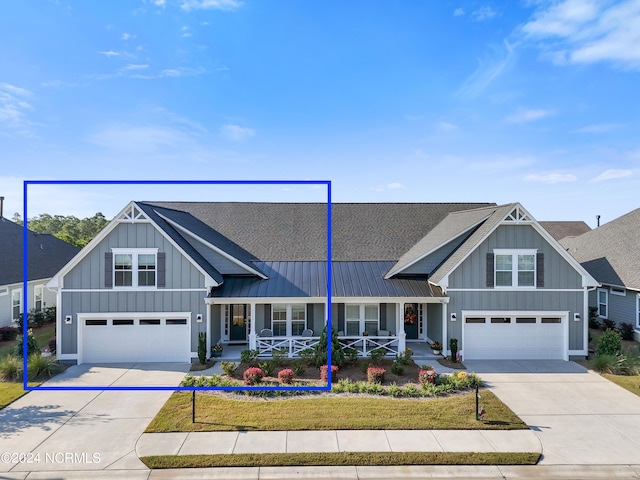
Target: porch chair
[(307, 333), (266, 332)]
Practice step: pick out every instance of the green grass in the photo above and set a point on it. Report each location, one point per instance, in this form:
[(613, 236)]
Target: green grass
[(42, 336), (10, 392), (340, 459), (629, 382), (215, 413)]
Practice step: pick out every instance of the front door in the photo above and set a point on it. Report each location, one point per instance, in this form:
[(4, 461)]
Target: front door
[(411, 320), (239, 323)]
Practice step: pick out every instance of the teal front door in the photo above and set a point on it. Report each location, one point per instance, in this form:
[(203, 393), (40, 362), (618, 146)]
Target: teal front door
[(239, 323), (411, 321)]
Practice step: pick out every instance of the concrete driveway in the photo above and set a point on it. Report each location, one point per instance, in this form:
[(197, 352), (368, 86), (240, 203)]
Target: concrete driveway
[(579, 416), (85, 430)]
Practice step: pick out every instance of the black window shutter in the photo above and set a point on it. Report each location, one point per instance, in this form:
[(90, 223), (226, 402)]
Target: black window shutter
[(540, 270), (490, 272), (162, 282), (108, 270)]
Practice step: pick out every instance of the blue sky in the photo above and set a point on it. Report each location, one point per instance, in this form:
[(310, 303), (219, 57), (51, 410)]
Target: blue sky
[(407, 101)]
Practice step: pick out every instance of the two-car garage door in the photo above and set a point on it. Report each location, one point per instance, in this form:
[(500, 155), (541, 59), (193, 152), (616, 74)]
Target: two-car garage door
[(514, 336), (134, 338)]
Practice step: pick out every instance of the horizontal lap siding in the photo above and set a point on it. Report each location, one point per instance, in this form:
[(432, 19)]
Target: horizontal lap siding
[(623, 309)]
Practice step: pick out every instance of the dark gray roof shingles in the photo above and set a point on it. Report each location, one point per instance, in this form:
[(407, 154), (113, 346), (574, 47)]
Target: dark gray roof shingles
[(560, 229)]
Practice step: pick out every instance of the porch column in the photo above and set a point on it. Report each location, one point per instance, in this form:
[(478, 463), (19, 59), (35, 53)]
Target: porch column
[(252, 330), (445, 339), (402, 336), (208, 327)]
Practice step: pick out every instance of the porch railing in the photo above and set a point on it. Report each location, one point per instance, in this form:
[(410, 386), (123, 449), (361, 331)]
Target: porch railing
[(294, 345)]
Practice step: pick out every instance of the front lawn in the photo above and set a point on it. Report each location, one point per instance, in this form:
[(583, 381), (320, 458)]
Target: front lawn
[(42, 335), (629, 382), (218, 413), (10, 392)]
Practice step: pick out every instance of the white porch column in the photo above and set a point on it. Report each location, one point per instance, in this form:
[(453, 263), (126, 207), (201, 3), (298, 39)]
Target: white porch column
[(445, 343), (252, 330), (402, 336), (208, 327)]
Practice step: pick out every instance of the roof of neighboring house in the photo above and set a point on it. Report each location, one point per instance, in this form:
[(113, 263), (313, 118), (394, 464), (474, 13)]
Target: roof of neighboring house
[(298, 231), (611, 252), (309, 279), (46, 254), (560, 230)]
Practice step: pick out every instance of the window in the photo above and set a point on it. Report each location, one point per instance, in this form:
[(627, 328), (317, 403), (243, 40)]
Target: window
[(525, 320), (515, 268), (362, 318), (298, 319), (551, 320), (500, 320), (176, 321), (149, 321), (638, 310), (134, 268), (16, 304), (603, 303), (94, 323), (123, 321), (37, 297), (618, 291), (279, 320), (475, 320)]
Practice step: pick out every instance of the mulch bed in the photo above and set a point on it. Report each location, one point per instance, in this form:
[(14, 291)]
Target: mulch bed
[(198, 367)]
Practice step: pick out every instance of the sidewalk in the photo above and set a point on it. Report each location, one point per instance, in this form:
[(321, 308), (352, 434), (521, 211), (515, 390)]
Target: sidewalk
[(202, 443)]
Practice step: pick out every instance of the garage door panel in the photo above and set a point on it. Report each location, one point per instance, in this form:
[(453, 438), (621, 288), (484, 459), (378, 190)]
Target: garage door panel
[(146, 340), (513, 340)]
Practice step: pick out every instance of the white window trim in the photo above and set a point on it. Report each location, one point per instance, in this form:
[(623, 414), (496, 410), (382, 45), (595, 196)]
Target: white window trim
[(4, 291), (618, 291), (35, 295), (361, 317), (638, 311), (289, 316), (514, 267), (134, 252), (13, 292), (606, 302)]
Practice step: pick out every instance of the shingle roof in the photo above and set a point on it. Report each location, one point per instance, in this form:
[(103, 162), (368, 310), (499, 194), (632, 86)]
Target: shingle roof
[(46, 254), (611, 252), (297, 231), (560, 230), (309, 279)]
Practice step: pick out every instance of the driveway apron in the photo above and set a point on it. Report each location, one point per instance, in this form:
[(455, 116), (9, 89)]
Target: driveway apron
[(579, 416), (85, 430)]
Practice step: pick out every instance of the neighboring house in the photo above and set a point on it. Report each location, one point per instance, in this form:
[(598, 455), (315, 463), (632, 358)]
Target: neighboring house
[(611, 254), (560, 230), (256, 274), (46, 256)]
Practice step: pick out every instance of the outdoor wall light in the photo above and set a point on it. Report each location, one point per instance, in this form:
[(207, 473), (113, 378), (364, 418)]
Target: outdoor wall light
[(68, 320), (576, 317), (199, 318), (453, 317)]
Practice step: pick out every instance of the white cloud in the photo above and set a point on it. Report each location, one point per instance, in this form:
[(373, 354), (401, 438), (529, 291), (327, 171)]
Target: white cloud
[(389, 186), (487, 71), (588, 31), (458, 12), (528, 115), (446, 127), (110, 53), (236, 133), (551, 178), (138, 138), (127, 36), (170, 72), (395, 186), (136, 66), (612, 175), (598, 128), (210, 4), (13, 108), (483, 13)]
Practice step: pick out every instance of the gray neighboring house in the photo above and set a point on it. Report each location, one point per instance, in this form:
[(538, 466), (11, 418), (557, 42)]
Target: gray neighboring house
[(46, 256), (256, 274), (611, 254)]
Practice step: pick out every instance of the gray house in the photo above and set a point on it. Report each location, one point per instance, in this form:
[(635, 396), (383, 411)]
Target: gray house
[(256, 274), (46, 256), (611, 254)]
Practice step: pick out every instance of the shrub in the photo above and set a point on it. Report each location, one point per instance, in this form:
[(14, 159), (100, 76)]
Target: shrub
[(462, 375), (278, 356), (453, 346), (394, 390), (364, 366), (605, 363), (351, 354), (308, 356), (202, 347), (36, 318), (405, 358), (375, 374), (323, 372), (377, 354), (374, 388), (228, 368), (397, 368), (298, 367), (8, 334), (50, 314), (11, 368), (40, 367), (626, 331), (253, 376), (593, 318), (610, 343), (427, 376), (248, 356), (285, 376), (32, 345), (411, 391), (268, 367), (609, 324), (321, 349)]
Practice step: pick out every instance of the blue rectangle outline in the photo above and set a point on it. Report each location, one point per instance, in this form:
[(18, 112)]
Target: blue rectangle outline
[(25, 280)]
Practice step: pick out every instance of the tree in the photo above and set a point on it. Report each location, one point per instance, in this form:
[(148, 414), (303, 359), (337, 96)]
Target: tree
[(69, 228)]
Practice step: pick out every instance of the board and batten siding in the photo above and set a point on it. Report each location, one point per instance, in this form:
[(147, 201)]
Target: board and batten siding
[(90, 272), (558, 273), (434, 322), (111, 301)]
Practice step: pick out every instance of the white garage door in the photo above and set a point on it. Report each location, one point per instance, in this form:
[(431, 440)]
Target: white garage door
[(514, 337), (157, 338)]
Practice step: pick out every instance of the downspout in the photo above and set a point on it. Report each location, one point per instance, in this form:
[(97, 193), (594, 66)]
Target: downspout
[(586, 319)]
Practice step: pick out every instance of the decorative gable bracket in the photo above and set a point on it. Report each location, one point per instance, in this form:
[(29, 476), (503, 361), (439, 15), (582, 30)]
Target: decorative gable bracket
[(518, 215), (132, 214)]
